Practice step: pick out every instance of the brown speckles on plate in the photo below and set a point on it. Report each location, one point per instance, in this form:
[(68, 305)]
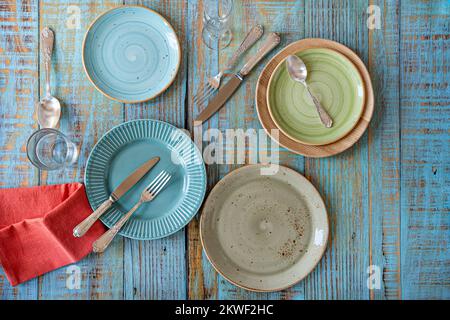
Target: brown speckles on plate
[(265, 228)]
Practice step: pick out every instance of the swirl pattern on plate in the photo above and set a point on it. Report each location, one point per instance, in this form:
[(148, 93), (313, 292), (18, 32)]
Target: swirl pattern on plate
[(131, 54), (334, 81)]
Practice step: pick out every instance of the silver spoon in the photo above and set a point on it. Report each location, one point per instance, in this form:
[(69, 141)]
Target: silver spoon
[(297, 70), (49, 108)]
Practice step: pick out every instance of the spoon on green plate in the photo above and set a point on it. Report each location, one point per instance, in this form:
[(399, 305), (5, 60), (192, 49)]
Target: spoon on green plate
[(298, 72)]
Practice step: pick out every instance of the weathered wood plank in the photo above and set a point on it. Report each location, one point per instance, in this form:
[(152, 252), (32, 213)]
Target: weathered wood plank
[(238, 113), (202, 280), (425, 140), (157, 269), (86, 116), (388, 198), (18, 93), (384, 152), (342, 179)]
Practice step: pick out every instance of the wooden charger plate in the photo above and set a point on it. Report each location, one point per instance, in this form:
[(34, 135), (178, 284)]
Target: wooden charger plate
[(314, 151)]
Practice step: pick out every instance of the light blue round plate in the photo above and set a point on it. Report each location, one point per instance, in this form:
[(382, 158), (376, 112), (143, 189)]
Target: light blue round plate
[(131, 54), (121, 151)]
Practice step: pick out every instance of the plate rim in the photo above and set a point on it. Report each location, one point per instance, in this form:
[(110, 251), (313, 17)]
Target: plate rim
[(204, 177), (339, 136), (322, 251), (336, 147), (124, 7)]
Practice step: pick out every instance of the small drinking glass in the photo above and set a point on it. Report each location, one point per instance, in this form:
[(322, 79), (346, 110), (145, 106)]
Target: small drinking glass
[(216, 33), (49, 149)]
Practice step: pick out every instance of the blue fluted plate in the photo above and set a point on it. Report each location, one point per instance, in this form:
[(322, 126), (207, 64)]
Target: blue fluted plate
[(121, 151), (131, 54)]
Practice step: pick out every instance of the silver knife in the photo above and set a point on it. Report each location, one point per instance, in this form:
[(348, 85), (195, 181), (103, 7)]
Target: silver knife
[(126, 185), (272, 40)]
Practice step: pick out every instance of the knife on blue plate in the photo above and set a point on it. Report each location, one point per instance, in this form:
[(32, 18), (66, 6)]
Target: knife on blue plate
[(271, 41), (123, 188)]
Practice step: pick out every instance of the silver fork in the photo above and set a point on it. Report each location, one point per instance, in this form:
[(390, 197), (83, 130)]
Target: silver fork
[(213, 83), (148, 194)]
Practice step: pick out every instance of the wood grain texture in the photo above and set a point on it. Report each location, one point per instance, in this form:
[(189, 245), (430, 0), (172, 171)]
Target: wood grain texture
[(86, 116), (202, 280), (18, 93), (342, 179), (238, 113), (384, 153), (157, 269), (425, 140), (387, 196)]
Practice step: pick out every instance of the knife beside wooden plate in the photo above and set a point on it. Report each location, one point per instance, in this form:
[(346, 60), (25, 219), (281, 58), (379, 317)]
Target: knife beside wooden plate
[(123, 188), (272, 40)]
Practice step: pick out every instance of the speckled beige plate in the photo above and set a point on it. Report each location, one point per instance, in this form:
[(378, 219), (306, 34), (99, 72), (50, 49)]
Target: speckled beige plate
[(264, 232)]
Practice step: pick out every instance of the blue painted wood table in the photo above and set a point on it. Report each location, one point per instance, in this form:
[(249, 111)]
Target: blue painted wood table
[(388, 196)]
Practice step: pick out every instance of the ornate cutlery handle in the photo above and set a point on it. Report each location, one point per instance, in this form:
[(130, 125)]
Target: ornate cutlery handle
[(250, 39), (103, 242), (47, 39), (87, 223), (272, 40), (323, 114)]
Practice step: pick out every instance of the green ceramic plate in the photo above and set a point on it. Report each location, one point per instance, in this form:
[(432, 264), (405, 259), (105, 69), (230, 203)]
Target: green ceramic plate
[(336, 83)]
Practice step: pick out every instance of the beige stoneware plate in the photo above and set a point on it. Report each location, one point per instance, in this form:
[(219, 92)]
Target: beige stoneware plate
[(264, 232)]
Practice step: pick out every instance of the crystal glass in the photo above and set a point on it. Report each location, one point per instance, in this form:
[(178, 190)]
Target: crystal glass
[(216, 32), (49, 149)]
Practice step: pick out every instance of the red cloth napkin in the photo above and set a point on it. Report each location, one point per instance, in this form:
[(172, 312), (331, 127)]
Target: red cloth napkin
[(36, 229)]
